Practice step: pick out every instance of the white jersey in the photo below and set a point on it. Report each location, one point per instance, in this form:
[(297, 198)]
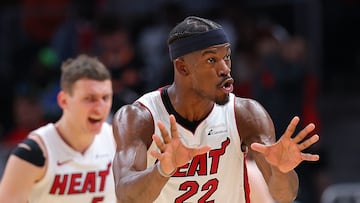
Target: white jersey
[(219, 175), (73, 177)]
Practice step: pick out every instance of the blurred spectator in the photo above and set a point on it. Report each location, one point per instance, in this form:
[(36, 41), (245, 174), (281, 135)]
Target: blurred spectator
[(281, 77), (283, 87), (41, 18), (36, 23), (28, 115), (116, 50), (35, 35), (76, 35), (6, 102), (245, 61), (153, 47), (44, 80)]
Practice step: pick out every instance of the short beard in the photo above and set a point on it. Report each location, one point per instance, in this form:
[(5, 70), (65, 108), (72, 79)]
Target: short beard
[(223, 101)]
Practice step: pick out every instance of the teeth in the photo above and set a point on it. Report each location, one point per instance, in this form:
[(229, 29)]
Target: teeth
[(226, 85)]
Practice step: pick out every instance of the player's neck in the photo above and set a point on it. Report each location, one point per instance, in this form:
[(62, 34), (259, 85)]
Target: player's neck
[(74, 138), (190, 107)]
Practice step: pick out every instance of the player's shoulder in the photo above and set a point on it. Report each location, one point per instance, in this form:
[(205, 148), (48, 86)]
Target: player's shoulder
[(40, 134), (252, 120), (242, 103), (133, 122), (248, 109), (130, 110), (135, 113), (139, 106)]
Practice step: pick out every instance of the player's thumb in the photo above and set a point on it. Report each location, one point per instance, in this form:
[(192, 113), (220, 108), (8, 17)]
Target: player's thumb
[(258, 147)]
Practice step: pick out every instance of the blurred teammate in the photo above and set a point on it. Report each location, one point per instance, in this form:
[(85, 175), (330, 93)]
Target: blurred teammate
[(70, 160), (187, 142)]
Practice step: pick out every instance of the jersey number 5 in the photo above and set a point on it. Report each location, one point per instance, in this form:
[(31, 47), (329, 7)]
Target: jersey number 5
[(97, 199)]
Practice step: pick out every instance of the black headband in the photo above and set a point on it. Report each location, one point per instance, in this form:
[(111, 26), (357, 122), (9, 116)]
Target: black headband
[(186, 45)]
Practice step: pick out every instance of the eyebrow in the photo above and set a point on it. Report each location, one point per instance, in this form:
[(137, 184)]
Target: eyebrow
[(208, 51), (213, 50)]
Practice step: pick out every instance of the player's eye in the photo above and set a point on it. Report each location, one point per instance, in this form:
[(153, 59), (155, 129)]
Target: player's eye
[(227, 57), (211, 60)]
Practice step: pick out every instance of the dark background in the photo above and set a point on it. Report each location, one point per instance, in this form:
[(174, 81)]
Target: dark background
[(330, 27)]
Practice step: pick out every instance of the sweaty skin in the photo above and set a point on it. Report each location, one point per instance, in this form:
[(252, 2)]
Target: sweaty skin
[(134, 132)]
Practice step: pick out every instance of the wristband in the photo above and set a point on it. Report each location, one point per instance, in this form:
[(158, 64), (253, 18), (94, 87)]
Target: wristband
[(162, 173)]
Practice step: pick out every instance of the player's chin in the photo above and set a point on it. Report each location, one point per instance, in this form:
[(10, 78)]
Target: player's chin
[(223, 99), (95, 131)]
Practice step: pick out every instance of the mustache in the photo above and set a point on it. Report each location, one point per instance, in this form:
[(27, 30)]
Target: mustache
[(226, 79)]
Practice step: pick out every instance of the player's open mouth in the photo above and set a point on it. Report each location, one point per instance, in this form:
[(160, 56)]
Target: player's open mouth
[(93, 120), (227, 85)]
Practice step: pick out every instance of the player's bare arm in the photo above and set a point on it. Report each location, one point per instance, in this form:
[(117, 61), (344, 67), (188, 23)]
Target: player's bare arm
[(20, 175), (133, 140), (275, 159), (133, 129)]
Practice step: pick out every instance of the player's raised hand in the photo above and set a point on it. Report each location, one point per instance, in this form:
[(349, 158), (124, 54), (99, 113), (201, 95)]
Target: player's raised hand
[(287, 153), (172, 152)]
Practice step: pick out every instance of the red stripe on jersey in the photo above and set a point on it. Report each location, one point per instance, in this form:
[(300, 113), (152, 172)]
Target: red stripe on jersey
[(246, 183)]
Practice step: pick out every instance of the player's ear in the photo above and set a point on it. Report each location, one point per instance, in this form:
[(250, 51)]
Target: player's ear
[(61, 99), (181, 67)]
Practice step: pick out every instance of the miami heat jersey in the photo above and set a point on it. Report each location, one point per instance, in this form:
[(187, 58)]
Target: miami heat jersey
[(73, 177), (219, 175)]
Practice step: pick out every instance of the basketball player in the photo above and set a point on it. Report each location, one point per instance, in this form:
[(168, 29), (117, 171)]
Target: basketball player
[(187, 142), (70, 160)]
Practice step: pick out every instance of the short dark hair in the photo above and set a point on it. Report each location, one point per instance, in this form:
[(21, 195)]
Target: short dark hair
[(191, 26), (82, 67)]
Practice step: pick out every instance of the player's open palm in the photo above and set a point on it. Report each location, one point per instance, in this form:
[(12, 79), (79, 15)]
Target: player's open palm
[(173, 153), (287, 153)]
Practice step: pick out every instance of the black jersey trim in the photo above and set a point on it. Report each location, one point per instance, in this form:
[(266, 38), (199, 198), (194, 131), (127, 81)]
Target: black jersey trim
[(190, 125)]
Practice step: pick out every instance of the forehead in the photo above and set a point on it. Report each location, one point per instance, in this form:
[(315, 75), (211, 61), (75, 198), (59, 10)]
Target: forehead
[(91, 86)]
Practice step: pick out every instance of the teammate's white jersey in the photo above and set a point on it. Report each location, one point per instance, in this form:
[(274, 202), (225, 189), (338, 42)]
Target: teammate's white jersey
[(219, 175), (73, 177)]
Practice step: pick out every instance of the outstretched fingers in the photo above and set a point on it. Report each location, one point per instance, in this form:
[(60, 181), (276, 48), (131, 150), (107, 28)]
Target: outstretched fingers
[(161, 146), (159, 143), (164, 133), (309, 157), (304, 132), (291, 127), (173, 128), (166, 138), (307, 143)]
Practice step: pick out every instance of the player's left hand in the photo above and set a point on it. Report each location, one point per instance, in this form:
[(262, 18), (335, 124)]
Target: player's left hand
[(286, 153)]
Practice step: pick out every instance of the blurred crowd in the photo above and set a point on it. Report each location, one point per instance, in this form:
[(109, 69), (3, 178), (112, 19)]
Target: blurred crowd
[(270, 63)]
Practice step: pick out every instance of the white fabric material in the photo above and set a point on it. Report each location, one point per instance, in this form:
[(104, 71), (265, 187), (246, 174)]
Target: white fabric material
[(73, 177), (217, 175)]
